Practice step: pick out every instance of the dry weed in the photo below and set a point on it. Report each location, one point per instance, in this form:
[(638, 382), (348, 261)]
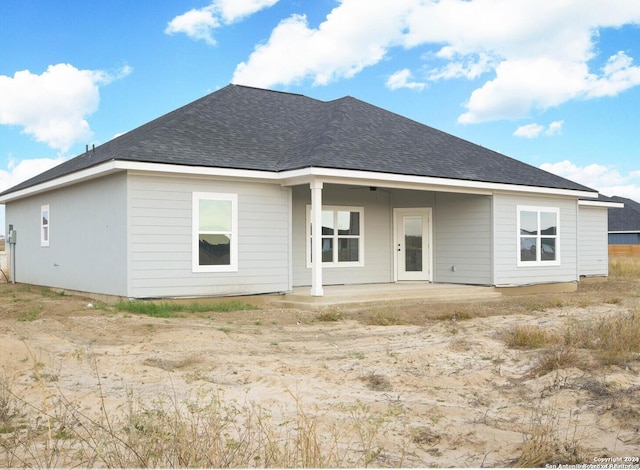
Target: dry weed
[(556, 359), (614, 338), (624, 267), (529, 337), (544, 446), (377, 382)]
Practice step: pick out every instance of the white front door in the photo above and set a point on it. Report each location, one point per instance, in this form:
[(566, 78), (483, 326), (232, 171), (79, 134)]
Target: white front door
[(412, 244)]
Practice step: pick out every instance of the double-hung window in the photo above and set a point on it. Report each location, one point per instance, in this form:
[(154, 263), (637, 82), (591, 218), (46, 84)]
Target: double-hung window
[(538, 236), (342, 236), (215, 232), (44, 225)]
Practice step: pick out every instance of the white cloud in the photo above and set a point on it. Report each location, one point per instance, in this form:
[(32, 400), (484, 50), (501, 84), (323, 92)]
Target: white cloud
[(356, 34), (401, 79), (539, 53), (533, 130), (53, 107), (606, 179), (619, 74), (469, 67), (234, 10), (199, 23), (529, 131), (25, 169), (555, 128)]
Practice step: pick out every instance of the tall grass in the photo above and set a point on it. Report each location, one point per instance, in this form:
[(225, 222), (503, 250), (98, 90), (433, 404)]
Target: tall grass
[(529, 337), (612, 339), (204, 431), (615, 338), (624, 267)]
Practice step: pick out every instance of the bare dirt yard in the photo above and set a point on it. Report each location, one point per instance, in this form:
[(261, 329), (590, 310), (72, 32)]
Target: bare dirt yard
[(528, 381)]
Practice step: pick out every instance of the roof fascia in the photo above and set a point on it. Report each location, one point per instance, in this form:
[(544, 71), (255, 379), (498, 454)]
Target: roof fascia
[(295, 177), (113, 166), (367, 178), (198, 171), (617, 205), (102, 169)]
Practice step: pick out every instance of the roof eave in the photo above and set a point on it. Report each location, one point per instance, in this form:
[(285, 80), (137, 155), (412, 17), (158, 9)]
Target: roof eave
[(617, 205), (295, 177)]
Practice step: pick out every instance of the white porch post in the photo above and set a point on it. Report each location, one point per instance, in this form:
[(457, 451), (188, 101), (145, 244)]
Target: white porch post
[(316, 237)]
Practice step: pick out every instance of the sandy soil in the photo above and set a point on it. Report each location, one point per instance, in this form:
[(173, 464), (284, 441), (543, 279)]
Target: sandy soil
[(461, 397)]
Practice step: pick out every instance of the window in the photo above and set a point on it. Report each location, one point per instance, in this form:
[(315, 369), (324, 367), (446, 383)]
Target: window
[(44, 225), (342, 236), (215, 232), (538, 229)]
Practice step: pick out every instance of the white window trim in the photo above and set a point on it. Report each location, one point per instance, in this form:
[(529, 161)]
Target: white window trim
[(195, 256), (45, 241), (538, 209), (337, 264)]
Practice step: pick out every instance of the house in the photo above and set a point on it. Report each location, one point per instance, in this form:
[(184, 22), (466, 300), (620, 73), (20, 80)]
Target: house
[(624, 222), (624, 227), (241, 191)]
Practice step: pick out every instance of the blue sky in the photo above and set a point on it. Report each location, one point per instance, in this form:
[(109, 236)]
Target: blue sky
[(554, 84)]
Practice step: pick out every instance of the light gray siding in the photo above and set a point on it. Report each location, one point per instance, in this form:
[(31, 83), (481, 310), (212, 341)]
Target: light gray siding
[(462, 239), (592, 241), (506, 243), (160, 221), (461, 234), (88, 231), (377, 235)]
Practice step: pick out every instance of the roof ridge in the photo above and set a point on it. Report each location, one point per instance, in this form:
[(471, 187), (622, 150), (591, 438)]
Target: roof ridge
[(266, 89)]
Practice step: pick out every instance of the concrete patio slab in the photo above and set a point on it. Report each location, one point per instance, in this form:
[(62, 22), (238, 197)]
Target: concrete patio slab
[(363, 294)]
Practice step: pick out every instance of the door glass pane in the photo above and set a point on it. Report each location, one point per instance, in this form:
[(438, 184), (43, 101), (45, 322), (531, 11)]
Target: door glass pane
[(528, 223), (214, 250), (413, 243)]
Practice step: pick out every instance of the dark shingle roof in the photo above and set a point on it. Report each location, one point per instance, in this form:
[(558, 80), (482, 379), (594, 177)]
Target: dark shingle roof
[(249, 128), (626, 219)]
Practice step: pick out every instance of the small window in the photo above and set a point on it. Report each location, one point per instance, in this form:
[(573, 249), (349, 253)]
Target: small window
[(538, 236), (44, 225), (215, 232), (342, 236)]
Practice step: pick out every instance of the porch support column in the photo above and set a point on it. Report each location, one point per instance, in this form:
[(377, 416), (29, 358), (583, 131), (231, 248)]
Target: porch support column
[(316, 237)]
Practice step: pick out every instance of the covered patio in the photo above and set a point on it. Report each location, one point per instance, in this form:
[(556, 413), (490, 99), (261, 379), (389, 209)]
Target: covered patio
[(363, 294)]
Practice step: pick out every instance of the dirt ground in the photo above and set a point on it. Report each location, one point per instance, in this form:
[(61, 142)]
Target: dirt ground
[(455, 394)]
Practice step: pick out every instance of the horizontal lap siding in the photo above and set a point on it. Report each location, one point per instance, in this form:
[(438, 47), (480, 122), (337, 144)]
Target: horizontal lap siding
[(506, 242), (161, 238), (462, 239), (592, 237), (88, 230), (377, 235)]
